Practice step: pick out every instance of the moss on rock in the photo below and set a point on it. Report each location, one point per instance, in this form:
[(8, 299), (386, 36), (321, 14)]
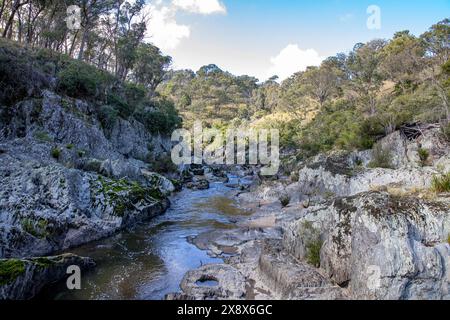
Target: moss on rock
[(10, 270)]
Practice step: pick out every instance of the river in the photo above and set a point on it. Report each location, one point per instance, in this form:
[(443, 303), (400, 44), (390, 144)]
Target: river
[(150, 260)]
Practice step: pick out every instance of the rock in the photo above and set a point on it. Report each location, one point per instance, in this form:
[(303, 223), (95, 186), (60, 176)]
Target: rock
[(381, 246), (47, 208), (198, 171), (198, 185), (156, 180), (22, 279), (291, 279), (214, 282), (333, 177), (66, 181)]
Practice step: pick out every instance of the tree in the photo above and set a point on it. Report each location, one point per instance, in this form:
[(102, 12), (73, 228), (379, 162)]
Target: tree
[(437, 41), (403, 59), (150, 66), (366, 77)]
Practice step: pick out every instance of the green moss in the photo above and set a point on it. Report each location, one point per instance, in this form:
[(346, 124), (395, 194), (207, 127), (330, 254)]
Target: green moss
[(122, 194), (38, 230), (448, 238), (70, 146), (10, 270)]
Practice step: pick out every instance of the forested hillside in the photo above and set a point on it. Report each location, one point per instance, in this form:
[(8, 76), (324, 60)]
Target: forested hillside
[(352, 99)]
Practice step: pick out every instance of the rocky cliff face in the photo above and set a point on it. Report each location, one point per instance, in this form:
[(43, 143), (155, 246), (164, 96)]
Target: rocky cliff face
[(66, 181), (379, 245)]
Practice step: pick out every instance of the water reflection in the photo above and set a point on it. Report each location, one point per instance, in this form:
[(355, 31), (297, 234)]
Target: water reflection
[(150, 260)]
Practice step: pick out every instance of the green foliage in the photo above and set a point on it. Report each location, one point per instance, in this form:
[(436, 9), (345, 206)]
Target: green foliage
[(122, 194), (285, 200), (10, 269), (55, 153), (78, 79), (446, 130), (163, 164), (441, 184), (70, 146), (313, 243), (381, 157), (42, 136), (424, 154), (38, 230), (161, 118)]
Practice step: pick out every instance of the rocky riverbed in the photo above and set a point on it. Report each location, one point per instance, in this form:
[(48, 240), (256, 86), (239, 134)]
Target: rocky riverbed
[(348, 232)]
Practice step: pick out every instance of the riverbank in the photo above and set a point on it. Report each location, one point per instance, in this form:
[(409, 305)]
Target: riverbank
[(337, 229)]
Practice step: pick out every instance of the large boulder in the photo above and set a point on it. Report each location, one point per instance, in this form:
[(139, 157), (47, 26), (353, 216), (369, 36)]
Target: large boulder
[(381, 246)]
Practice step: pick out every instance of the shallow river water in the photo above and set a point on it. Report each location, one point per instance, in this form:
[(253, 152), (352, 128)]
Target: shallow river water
[(150, 260)]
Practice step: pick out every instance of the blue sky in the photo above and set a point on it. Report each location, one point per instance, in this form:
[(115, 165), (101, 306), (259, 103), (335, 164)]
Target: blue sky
[(266, 37)]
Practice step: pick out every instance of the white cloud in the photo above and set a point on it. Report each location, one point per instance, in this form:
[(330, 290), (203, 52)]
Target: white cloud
[(292, 59), (201, 6), (163, 29)]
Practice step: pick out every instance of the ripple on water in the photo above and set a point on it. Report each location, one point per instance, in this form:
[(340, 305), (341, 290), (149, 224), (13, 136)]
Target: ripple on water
[(150, 260)]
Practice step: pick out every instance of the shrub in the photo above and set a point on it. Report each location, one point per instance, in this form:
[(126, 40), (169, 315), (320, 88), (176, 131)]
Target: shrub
[(285, 200), (163, 164), (313, 252), (381, 157), (81, 153), (441, 184), (42, 136), (446, 130), (108, 116), (423, 155), (78, 79), (70, 146), (313, 243), (56, 153)]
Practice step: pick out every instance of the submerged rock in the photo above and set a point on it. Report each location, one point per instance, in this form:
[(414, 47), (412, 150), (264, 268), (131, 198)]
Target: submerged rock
[(22, 279)]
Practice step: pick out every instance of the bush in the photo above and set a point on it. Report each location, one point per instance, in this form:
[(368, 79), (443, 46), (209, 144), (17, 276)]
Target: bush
[(441, 184), (108, 115), (446, 131), (78, 79), (285, 200), (313, 243), (56, 153), (423, 155), (382, 157), (163, 164)]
